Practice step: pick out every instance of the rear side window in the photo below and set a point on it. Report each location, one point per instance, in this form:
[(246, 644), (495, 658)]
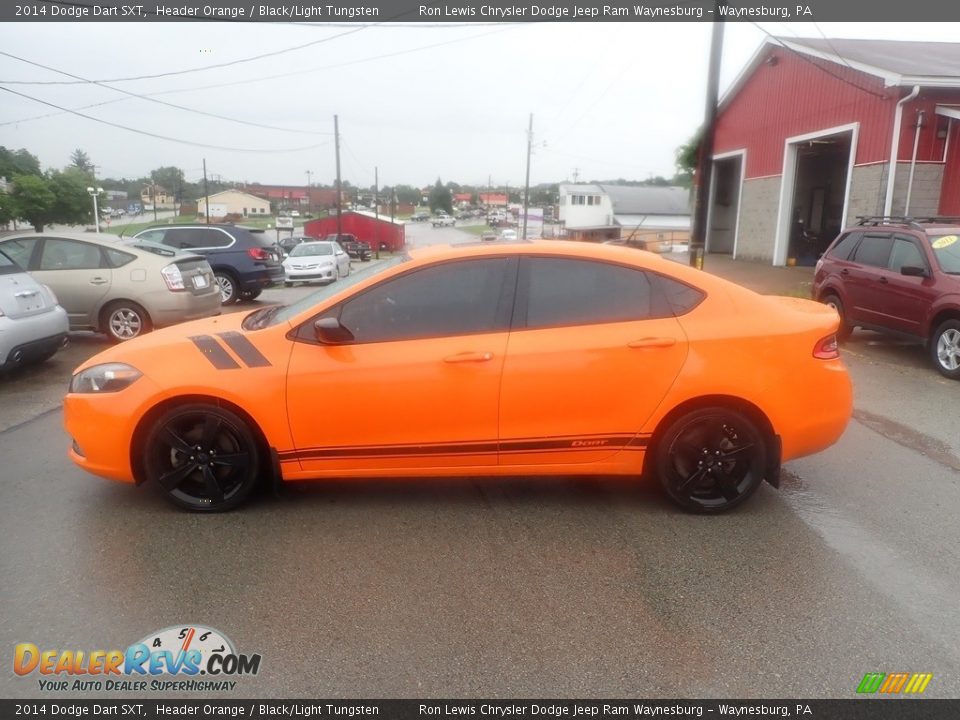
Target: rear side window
[(874, 250), (118, 258), (566, 291), (196, 238), (681, 297), (842, 250)]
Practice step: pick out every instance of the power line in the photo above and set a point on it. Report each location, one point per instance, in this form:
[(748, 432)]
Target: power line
[(203, 68), (249, 81), (162, 102), (157, 136)]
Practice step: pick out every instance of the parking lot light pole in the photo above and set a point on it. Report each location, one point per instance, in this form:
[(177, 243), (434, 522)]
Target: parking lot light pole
[(94, 192)]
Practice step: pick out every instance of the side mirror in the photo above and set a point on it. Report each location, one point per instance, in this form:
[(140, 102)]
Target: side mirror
[(913, 271), (329, 331)]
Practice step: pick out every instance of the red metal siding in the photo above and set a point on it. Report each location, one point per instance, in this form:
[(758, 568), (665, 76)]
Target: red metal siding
[(950, 191), (365, 228), (791, 96)]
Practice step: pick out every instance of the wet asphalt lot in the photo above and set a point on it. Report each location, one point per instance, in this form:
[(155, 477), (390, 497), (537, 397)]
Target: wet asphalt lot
[(512, 588)]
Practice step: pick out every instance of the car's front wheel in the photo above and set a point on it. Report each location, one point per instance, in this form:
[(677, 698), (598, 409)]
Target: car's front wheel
[(124, 320), (831, 300), (711, 459), (945, 349), (202, 457)]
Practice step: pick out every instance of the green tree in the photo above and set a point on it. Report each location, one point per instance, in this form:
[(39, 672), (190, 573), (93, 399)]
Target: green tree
[(440, 198), (19, 162), (80, 160), (72, 203), (686, 161), (8, 209), (408, 194), (34, 199), (170, 179)]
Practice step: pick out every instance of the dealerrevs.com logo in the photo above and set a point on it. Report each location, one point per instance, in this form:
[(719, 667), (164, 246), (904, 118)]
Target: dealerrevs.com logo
[(177, 658)]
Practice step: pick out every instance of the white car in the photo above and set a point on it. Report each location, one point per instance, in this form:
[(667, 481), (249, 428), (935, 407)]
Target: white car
[(508, 235), (32, 325), (318, 260)]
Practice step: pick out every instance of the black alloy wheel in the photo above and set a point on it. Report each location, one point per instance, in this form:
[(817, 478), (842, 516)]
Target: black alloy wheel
[(203, 458), (831, 300), (711, 459)]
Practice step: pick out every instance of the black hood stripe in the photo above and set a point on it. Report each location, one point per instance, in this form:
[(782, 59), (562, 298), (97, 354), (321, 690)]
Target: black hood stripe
[(214, 352), (244, 349)]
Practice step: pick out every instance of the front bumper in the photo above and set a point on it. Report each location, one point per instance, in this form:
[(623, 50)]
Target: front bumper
[(327, 272)]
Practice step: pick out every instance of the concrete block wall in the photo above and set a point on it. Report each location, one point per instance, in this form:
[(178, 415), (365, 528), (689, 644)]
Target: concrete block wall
[(758, 219), (927, 183)]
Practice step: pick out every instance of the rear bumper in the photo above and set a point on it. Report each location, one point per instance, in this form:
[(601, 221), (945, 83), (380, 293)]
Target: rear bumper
[(32, 337), (177, 307)]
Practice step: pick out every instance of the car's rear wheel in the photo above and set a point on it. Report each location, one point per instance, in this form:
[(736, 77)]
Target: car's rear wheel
[(202, 457), (711, 459), (945, 349), (228, 287), (124, 320), (831, 300)]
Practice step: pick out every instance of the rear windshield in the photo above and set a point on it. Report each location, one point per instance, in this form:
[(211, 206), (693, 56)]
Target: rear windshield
[(8, 266), (946, 249)]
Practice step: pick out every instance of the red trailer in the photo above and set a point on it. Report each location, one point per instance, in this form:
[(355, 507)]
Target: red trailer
[(388, 234)]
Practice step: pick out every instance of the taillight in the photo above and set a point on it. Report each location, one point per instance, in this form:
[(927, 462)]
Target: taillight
[(173, 278), (827, 348), (258, 253)]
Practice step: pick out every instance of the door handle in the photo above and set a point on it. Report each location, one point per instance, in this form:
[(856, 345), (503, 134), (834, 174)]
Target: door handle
[(469, 357), (98, 281), (884, 280), (845, 271), (25, 293), (653, 342)]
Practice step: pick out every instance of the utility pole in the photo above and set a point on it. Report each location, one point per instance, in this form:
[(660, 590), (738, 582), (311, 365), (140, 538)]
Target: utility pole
[(309, 173), (526, 184), (698, 238), (576, 175), (336, 142), (206, 194), (376, 209)]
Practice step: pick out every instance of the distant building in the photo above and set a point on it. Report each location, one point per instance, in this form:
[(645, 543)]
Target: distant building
[(596, 212), (157, 196), (493, 199), (233, 202)]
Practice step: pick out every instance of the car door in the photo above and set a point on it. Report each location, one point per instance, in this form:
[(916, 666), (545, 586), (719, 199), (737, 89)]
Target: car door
[(79, 275), (904, 300), (593, 350), (864, 277), (418, 386), (342, 260)]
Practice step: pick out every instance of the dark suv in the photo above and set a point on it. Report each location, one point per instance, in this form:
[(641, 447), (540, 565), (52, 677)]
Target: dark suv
[(900, 276), (354, 247), (244, 261)]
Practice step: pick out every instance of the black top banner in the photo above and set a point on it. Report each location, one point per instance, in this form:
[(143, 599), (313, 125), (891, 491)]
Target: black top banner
[(899, 709), (479, 11)]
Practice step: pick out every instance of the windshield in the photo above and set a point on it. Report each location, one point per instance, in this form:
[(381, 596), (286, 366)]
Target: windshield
[(276, 314), (947, 251), (312, 249)]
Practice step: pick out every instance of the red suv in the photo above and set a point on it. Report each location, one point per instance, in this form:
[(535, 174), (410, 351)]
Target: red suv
[(900, 276)]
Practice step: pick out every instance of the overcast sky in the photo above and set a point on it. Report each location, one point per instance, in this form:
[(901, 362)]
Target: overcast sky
[(609, 100)]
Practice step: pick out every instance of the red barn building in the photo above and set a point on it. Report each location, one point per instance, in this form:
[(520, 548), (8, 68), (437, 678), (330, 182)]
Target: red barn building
[(814, 133), (389, 234)]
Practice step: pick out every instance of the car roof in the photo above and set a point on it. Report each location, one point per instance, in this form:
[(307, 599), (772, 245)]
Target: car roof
[(127, 244)]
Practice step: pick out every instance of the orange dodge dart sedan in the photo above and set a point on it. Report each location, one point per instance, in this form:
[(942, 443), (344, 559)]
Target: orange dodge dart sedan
[(529, 358)]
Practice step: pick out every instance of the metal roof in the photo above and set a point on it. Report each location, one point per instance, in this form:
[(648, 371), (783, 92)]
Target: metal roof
[(897, 61), (648, 200)]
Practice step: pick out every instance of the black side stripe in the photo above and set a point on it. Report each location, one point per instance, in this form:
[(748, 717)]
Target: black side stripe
[(244, 349), (214, 352)]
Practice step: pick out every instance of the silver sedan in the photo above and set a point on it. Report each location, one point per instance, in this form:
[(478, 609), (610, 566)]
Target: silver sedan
[(321, 260)]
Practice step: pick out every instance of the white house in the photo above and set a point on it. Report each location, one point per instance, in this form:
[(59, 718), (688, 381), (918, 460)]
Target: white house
[(597, 212), (233, 202)]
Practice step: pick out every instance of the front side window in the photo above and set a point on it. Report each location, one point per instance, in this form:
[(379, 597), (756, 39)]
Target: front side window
[(456, 298), (905, 254), (566, 291), (874, 250), (59, 254)]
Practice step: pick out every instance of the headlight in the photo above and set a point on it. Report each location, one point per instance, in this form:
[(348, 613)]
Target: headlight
[(106, 378)]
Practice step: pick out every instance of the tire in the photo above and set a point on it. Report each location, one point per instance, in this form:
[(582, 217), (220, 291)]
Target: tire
[(202, 458), (287, 283), (246, 295), (711, 459), (124, 320), (945, 349), (843, 332), (228, 287)]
